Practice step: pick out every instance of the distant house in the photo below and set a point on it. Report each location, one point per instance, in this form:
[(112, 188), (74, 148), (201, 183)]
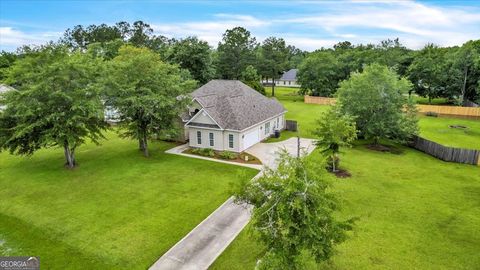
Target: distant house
[(289, 78), (229, 115)]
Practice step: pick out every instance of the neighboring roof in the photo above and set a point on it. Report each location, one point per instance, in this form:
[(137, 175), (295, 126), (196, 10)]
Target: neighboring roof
[(290, 75), (234, 105), (4, 88)]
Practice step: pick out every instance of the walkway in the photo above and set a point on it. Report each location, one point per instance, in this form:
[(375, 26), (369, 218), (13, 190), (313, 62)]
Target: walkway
[(199, 248)]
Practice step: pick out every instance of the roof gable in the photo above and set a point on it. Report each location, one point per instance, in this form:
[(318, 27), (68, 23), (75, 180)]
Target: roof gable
[(290, 75)]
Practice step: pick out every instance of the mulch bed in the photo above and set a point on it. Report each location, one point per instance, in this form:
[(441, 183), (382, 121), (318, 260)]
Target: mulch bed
[(458, 126), (240, 158)]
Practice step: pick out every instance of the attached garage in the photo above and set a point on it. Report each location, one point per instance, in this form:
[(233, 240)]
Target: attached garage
[(251, 137)]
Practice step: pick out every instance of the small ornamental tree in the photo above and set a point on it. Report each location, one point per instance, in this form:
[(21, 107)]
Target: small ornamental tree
[(334, 130), (56, 103), (148, 93), (293, 213), (377, 99)]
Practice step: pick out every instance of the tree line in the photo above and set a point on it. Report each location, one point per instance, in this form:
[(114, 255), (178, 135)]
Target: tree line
[(452, 73)]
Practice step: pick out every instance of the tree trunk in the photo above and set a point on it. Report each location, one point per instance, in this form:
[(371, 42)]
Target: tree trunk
[(145, 144), (69, 156), (464, 86), (333, 163), (273, 85)]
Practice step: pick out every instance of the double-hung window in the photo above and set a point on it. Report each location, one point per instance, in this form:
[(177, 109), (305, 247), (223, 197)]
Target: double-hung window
[(211, 138), (267, 128), (230, 140), (199, 137)]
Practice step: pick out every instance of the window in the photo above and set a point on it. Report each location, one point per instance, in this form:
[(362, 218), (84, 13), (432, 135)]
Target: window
[(230, 140), (289, 82), (278, 122), (199, 137), (210, 135), (267, 127), (284, 82)]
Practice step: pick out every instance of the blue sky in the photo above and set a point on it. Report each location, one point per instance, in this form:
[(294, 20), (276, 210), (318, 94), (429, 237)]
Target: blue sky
[(305, 24)]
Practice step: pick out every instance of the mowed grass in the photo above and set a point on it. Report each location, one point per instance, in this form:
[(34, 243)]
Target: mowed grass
[(433, 128), (438, 129), (414, 211), (117, 210)]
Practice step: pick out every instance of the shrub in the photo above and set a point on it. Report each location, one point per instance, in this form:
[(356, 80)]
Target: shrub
[(432, 114), (207, 152), (228, 155)]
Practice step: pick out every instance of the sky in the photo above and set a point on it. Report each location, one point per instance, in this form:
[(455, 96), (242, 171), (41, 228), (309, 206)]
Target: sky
[(308, 25)]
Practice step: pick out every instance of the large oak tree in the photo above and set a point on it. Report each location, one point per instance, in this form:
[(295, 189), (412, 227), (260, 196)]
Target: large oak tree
[(56, 102), (148, 93)]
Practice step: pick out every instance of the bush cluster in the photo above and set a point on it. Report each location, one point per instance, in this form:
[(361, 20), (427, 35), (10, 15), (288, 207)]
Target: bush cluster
[(228, 155), (206, 152)]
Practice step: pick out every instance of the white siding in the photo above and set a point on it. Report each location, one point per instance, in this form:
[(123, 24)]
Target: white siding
[(202, 117), (220, 139)]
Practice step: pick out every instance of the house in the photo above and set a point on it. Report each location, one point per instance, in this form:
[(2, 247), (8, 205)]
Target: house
[(288, 78), (229, 115)]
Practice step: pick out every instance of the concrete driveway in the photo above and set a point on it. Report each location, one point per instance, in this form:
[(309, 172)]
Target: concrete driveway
[(268, 152), (199, 248)]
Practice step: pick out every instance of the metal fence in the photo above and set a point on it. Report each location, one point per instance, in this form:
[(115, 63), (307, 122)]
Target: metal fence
[(291, 125), (446, 153)]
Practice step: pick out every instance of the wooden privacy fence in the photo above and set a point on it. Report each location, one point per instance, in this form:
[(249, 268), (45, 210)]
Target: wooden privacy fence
[(442, 110), (319, 100), (450, 110), (446, 153)]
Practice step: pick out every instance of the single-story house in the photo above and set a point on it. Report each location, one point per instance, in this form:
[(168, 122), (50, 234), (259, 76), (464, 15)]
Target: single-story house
[(289, 78), (229, 115)]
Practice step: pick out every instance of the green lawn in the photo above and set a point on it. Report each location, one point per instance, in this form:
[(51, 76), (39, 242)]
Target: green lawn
[(117, 210), (438, 129), (415, 211)]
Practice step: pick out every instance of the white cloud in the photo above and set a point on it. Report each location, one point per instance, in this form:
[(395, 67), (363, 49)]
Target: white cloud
[(210, 31), (321, 24), (11, 38)]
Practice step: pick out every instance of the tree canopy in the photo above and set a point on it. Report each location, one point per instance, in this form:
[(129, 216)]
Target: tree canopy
[(147, 93), (56, 102), (294, 213), (376, 98), (318, 74), (235, 53)]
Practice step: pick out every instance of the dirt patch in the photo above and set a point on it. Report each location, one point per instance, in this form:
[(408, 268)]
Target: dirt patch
[(458, 126), (342, 173), (384, 148)]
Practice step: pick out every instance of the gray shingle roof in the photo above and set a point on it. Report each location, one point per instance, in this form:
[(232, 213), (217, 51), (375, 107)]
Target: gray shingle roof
[(290, 75), (234, 105)]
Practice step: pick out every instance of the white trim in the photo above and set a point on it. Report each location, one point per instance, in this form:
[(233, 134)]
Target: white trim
[(198, 113)]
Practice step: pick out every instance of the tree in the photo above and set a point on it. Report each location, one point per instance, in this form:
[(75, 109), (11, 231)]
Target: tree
[(235, 53), (251, 78), (293, 213), (6, 60), (319, 74), (147, 93), (56, 103), (428, 72), (464, 71), (334, 130), (274, 55), (376, 98), (194, 55)]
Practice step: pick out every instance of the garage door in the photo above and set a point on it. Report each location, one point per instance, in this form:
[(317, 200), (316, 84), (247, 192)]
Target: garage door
[(250, 138)]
